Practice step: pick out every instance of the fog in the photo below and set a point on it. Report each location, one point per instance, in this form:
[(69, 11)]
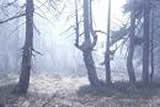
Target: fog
[(56, 42), (54, 38), (79, 53)]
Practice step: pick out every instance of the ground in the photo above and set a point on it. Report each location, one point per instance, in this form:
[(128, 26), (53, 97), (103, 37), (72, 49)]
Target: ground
[(53, 90)]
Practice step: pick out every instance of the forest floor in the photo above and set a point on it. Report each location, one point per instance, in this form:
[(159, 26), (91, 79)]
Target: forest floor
[(53, 90)]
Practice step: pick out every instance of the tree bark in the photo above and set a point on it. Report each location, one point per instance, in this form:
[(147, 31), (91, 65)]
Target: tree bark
[(92, 75), (146, 44), (130, 67), (77, 23), (87, 51), (24, 80), (107, 53), (152, 46)]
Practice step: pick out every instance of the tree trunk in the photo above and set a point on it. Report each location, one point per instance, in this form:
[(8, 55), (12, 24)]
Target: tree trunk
[(152, 46), (87, 52), (24, 80), (146, 42), (77, 22), (130, 67), (107, 53), (92, 75)]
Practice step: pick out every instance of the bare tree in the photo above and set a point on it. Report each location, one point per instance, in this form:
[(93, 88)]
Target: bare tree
[(146, 39), (77, 22), (24, 80), (88, 44), (152, 45), (107, 53), (131, 48)]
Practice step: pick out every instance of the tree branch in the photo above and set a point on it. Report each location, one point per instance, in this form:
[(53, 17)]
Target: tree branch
[(12, 18)]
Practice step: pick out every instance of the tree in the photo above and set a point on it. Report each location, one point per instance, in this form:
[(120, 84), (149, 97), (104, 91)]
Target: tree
[(107, 53), (9, 37), (77, 23), (88, 44), (152, 45), (146, 39), (130, 68), (24, 79)]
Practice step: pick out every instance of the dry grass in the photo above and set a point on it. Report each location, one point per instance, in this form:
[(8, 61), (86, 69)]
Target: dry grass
[(52, 90)]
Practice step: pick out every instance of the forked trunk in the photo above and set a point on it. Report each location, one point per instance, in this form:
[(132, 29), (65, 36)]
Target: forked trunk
[(87, 50)]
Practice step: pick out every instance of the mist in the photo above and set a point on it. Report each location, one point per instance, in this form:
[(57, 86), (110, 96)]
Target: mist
[(79, 53)]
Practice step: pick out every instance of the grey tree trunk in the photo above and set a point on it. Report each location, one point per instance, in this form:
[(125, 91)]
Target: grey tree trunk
[(146, 39), (92, 75), (24, 80), (87, 53), (77, 22), (107, 53), (88, 45), (130, 67), (152, 46)]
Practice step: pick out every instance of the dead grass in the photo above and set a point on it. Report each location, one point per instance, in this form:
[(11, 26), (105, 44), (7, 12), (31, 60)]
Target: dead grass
[(52, 90)]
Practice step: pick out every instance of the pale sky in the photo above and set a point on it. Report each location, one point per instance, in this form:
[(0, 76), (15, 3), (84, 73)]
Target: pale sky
[(53, 29), (61, 47), (100, 13)]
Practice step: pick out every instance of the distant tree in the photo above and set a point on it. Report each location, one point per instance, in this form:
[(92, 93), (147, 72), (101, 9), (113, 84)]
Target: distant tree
[(77, 23), (131, 46), (146, 39), (9, 10), (152, 45), (107, 53)]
